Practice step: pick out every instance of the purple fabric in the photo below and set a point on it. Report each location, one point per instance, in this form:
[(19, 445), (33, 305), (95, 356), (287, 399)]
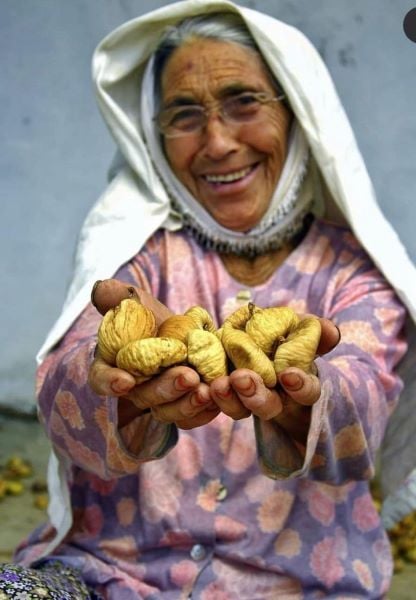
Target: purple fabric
[(233, 510)]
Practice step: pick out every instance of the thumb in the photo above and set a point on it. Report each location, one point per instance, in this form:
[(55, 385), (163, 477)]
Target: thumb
[(108, 293), (303, 388), (106, 380)]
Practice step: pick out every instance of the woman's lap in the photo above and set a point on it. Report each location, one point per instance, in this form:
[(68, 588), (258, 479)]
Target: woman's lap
[(50, 580)]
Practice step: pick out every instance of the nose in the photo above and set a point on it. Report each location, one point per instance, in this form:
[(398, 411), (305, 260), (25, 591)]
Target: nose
[(219, 138)]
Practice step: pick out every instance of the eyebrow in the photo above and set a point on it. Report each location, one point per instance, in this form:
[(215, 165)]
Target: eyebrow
[(180, 101), (233, 89), (236, 88)]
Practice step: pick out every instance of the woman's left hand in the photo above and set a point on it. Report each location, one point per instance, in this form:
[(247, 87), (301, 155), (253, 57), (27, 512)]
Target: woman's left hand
[(243, 392)]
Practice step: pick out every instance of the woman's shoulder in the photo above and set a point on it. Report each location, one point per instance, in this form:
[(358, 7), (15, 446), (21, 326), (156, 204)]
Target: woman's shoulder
[(165, 247), (340, 236)]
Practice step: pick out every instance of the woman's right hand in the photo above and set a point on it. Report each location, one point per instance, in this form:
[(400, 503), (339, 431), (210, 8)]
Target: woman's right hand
[(176, 396)]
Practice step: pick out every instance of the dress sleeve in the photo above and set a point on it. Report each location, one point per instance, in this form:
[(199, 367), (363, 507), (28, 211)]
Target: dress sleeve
[(83, 426), (359, 389)]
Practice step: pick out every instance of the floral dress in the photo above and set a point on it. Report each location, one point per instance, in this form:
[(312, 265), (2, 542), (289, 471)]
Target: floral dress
[(233, 510)]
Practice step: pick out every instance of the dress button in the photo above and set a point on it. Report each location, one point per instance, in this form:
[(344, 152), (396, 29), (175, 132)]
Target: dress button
[(198, 552), (222, 493)]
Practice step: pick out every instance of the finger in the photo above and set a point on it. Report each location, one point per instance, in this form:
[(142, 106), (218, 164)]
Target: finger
[(108, 293), (186, 407), (227, 399), (109, 381), (302, 387), (160, 311), (204, 417), (330, 336), (167, 387), (254, 395)]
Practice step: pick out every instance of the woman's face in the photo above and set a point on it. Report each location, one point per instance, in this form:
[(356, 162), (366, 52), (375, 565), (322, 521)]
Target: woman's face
[(231, 169)]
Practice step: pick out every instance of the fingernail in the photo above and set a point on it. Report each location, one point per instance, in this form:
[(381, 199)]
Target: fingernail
[(335, 344), (291, 381), (182, 384), (132, 292), (201, 399), (226, 392), (119, 387), (245, 383), (94, 289), (339, 335)]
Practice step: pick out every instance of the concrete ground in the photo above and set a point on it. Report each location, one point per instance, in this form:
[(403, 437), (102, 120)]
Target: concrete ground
[(20, 514)]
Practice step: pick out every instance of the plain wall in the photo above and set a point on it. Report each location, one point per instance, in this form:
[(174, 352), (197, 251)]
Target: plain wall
[(55, 149)]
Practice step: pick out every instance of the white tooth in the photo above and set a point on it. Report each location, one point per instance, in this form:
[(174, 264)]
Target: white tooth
[(227, 178)]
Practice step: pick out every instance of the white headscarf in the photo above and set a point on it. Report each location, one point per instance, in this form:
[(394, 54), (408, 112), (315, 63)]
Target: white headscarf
[(137, 194), (291, 200)]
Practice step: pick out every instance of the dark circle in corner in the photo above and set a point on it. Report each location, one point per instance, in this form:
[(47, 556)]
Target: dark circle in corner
[(409, 24)]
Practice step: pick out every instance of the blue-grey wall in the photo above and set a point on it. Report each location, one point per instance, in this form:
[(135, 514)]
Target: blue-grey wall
[(55, 149)]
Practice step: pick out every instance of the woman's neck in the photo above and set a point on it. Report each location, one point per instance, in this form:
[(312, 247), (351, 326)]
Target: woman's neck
[(257, 270)]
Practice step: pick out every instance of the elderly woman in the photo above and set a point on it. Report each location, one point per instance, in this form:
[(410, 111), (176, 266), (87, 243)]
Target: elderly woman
[(239, 180)]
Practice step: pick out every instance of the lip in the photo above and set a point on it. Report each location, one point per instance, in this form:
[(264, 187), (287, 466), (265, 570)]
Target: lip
[(232, 187)]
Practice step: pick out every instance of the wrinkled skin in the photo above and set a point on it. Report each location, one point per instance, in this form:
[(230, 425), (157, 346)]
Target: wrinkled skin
[(178, 395), (203, 71)]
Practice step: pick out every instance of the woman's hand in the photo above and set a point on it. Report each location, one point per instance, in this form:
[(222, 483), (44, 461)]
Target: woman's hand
[(109, 293), (243, 392), (176, 396)]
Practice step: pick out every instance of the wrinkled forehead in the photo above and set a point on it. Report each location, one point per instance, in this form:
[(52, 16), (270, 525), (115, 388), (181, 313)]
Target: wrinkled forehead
[(206, 66)]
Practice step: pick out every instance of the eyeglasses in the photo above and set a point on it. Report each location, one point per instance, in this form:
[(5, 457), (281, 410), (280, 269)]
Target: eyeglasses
[(248, 107)]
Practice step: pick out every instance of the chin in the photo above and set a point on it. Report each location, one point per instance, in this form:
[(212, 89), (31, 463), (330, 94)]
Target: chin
[(233, 226), (240, 225)]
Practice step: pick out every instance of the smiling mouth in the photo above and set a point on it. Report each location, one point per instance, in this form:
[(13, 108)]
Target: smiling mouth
[(229, 177)]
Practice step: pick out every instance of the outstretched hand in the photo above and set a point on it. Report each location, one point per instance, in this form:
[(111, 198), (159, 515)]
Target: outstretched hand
[(243, 392), (175, 396), (178, 395)]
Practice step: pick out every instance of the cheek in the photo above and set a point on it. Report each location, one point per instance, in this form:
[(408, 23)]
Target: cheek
[(179, 157), (276, 143), (272, 138)]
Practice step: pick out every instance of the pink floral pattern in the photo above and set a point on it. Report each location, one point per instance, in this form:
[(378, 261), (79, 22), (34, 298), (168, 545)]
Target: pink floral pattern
[(124, 548), (326, 560), (190, 465), (69, 409), (256, 488), (349, 441), (229, 529), (126, 511), (320, 505), (381, 550), (288, 543), (243, 585), (266, 523), (364, 574), (156, 505), (274, 510), (78, 372), (361, 334), (208, 495), (364, 514), (319, 256), (241, 455), (89, 521), (387, 318), (184, 573)]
